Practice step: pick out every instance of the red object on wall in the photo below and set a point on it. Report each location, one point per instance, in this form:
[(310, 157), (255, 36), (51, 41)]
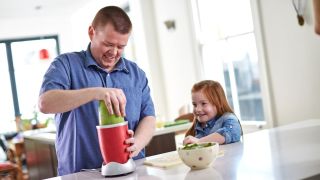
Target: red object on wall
[(44, 54)]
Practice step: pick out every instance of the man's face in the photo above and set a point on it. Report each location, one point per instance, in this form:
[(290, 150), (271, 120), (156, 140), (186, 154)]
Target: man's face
[(107, 45)]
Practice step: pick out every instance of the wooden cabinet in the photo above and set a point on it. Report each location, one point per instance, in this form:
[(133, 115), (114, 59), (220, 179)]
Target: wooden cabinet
[(161, 144), (41, 158)]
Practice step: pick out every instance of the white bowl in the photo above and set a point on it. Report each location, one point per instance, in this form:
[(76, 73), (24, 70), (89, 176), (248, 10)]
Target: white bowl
[(201, 157)]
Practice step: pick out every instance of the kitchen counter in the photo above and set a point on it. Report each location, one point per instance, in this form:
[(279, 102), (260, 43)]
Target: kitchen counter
[(45, 135), (42, 141), (287, 152)]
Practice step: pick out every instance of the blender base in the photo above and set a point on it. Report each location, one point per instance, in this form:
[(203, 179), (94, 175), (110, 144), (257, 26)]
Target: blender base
[(116, 169)]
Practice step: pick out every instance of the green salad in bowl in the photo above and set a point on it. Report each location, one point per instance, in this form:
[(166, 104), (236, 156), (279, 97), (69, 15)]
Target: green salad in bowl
[(199, 155), (197, 145)]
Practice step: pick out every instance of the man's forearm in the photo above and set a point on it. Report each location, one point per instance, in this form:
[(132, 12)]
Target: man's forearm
[(145, 131), (57, 101)]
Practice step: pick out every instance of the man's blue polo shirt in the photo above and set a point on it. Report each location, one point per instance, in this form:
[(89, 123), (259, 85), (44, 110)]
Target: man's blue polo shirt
[(77, 143)]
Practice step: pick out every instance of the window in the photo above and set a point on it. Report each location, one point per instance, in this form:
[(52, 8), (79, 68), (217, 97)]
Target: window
[(29, 59), (229, 54), (29, 70)]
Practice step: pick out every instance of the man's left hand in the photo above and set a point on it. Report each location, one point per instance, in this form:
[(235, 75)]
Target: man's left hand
[(133, 148)]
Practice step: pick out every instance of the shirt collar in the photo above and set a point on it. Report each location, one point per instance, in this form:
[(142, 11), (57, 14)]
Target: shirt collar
[(121, 65), (90, 61)]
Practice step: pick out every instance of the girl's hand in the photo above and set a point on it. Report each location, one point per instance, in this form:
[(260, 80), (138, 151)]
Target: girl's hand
[(133, 148), (190, 140)]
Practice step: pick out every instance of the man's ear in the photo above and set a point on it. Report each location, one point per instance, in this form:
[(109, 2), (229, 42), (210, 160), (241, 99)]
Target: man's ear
[(91, 32)]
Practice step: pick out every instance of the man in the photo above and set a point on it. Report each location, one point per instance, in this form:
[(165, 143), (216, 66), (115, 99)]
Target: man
[(75, 82)]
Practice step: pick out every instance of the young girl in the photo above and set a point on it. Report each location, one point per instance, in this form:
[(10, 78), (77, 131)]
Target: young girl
[(214, 120)]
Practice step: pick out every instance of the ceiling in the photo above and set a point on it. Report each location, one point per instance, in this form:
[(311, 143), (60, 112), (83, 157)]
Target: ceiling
[(44, 8)]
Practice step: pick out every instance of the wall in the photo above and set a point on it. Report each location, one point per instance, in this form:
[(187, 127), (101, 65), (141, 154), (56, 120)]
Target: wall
[(37, 26), (147, 51), (177, 52), (292, 59)]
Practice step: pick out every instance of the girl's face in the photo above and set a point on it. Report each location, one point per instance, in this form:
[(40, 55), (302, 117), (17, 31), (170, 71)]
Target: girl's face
[(202, 108)]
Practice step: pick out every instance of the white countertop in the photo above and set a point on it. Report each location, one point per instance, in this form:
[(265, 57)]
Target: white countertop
[(287, 152)]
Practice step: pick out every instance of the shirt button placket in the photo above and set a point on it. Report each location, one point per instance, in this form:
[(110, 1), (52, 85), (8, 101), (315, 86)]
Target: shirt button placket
[(108, 80)]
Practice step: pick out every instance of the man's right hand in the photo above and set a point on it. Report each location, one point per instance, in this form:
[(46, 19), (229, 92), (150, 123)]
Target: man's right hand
[(115, 100)]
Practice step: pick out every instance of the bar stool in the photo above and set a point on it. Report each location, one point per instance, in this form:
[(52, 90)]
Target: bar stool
[(9, 170)]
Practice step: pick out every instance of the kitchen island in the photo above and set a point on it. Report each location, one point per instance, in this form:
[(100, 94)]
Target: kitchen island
[(286, 152)]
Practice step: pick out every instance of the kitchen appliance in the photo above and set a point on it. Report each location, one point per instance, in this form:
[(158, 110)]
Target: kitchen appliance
[(116, 159)]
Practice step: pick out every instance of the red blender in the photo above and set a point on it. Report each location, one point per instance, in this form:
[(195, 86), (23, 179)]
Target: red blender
[(112, 133)]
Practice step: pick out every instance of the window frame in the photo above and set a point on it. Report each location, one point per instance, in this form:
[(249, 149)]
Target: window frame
[(249, 126), (13, 83)]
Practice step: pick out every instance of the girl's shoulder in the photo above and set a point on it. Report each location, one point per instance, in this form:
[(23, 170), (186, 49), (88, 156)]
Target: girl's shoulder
[(229, 115)]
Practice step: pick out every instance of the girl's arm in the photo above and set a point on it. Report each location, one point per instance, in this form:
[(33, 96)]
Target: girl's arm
[(214, 137), (230, 130)]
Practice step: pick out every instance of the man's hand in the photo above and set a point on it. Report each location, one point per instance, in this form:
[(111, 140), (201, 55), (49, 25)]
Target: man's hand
[(115, 100), (133, 148)]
